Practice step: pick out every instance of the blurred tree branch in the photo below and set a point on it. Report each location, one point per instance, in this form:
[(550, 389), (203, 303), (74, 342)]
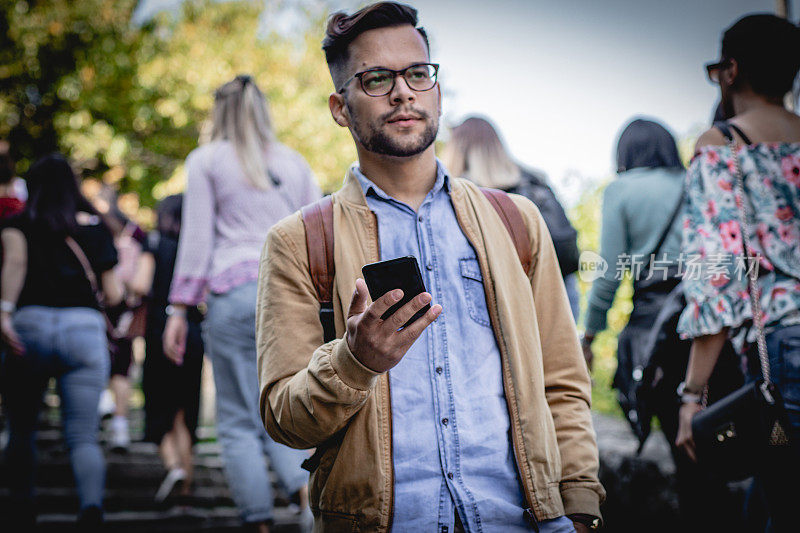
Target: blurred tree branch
[(128, 103)]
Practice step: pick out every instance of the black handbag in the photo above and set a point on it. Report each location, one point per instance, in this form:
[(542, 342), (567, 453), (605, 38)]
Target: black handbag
[(733, 435)]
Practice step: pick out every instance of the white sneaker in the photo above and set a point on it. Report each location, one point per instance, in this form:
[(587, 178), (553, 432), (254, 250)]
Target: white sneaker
[(106, 405), (120, 435), (173, 478)]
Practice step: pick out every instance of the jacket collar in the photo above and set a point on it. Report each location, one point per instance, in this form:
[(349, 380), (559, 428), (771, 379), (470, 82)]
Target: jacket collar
[(353, 191)]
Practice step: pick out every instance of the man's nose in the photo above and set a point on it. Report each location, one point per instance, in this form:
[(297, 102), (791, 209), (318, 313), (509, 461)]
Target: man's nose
[(401, 92)]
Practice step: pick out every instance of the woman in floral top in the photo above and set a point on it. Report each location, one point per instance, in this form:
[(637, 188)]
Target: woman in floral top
[(717, 295), (760, 59)]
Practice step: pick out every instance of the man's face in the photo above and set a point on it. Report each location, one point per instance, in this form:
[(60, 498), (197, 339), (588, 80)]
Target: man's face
[(402, 123)]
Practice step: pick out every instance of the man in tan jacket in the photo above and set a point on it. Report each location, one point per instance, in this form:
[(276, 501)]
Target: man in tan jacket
[(487, 426)]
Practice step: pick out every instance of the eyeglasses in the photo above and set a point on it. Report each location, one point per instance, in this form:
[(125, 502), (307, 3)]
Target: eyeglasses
[(712, 69), (380, 81)]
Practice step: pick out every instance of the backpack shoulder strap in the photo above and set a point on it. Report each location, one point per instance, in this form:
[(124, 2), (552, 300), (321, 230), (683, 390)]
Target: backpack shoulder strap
[(512, 220), (318, 222)]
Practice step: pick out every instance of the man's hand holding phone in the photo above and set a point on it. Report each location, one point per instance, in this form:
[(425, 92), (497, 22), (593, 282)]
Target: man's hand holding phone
[(379, 344)]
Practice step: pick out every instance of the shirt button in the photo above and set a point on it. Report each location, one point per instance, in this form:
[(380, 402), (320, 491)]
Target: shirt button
[(429, 266), (449, 475), (444, 421), (439, 370), (421, 218)]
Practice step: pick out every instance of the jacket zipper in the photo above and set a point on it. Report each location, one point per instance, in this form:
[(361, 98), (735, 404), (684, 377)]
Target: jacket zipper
[(528, 513)]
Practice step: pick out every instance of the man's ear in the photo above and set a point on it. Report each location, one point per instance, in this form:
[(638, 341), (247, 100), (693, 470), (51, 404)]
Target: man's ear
[(339, 110)]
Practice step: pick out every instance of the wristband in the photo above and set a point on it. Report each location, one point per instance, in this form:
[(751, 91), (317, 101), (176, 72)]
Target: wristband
[(176, 311), (7, 306), (592, 522), (688, 394)]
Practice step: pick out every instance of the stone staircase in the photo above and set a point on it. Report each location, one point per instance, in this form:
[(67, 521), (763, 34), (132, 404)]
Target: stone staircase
[(132, 479)]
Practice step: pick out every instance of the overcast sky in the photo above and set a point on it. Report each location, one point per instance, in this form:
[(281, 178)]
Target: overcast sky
[(561, 78)]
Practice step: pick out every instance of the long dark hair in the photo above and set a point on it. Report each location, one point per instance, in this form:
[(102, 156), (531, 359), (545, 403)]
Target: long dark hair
[(168, 215), (646, 144), (53, 195)]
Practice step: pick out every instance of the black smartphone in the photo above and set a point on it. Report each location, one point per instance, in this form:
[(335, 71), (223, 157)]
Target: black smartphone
[(401, 273)]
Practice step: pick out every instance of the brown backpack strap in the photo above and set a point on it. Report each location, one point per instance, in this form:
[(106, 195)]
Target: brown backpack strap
[(512, 220), (318, 221)]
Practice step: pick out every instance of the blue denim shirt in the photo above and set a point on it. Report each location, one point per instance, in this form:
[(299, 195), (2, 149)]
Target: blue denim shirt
[(451, 441)]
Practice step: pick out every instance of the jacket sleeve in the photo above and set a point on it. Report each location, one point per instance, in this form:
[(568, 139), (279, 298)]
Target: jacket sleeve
[(566, 377), (308, 391), (613, 239)]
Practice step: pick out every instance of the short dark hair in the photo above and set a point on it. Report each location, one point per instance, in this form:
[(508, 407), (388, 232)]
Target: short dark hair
[(168, 215), (646, 144), (767, 50), (343, 29)]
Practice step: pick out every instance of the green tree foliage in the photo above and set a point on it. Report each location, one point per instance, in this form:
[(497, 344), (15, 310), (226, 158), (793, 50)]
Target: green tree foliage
[(53, 54), (128, 104)]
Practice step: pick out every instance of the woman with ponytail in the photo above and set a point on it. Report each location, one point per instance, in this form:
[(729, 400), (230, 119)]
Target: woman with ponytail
[(238, 185)]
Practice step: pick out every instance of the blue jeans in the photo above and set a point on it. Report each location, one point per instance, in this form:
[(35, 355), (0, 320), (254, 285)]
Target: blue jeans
[(571, 284), (68, 344), (776, 484), (229, 336)]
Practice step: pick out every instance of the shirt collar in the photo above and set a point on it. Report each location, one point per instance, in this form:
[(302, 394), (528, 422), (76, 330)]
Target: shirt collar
[(370, 189)]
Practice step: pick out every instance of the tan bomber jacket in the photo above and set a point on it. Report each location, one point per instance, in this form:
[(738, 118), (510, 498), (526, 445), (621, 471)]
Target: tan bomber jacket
[(310, 392)]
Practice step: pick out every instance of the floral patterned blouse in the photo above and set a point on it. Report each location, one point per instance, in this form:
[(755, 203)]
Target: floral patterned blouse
[(714, 270)]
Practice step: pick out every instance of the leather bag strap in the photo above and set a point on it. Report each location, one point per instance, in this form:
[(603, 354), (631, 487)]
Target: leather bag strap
[(77, 251), (318, 221), (515, 225)]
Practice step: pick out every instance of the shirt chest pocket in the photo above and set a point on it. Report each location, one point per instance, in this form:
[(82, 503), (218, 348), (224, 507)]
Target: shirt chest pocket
[(472, 279)]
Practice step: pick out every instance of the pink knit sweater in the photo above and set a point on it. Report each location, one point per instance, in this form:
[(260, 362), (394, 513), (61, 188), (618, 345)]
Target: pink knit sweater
[(225, 219)]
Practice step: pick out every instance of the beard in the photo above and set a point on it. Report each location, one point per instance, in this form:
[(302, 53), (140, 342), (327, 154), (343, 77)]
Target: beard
[(374, 138)]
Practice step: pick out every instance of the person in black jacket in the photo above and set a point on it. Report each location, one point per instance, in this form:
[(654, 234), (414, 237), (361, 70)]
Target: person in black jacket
[(171, 392)]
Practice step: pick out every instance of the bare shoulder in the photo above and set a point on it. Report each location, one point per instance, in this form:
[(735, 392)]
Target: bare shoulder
[(12, 235), (13, 242), (710, 137)]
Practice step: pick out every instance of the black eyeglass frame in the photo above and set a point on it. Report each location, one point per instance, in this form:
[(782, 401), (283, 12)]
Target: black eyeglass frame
[(395, 73), (711, 68)]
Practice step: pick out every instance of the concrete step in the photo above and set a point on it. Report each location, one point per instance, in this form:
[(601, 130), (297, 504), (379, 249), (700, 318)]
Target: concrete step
[(176, 519), (63, 499)]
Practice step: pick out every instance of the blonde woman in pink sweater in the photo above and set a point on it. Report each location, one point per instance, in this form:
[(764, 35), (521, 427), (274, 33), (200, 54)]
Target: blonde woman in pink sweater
[(238, 185)]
